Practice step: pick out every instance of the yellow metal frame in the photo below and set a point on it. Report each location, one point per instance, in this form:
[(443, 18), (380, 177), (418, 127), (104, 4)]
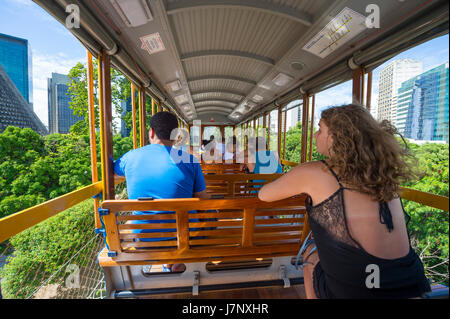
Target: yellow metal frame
[(18, 222)]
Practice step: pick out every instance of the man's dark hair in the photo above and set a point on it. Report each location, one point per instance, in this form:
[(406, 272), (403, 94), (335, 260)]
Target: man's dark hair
[(163, 123)]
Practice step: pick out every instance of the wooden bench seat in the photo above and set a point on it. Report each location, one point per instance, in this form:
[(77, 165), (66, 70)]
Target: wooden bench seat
[(236, 228)]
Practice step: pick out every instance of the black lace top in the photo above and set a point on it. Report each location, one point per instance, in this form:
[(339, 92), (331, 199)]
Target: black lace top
[(345, 268)]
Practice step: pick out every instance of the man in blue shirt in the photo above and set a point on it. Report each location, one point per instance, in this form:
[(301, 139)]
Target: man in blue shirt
[(159, 170)]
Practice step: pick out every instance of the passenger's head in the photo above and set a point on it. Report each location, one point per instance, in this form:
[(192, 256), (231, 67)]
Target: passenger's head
[(161, 126), (232, 144), (364, 153)]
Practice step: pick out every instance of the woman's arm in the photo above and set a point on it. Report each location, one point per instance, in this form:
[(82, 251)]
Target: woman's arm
[(297, 181)]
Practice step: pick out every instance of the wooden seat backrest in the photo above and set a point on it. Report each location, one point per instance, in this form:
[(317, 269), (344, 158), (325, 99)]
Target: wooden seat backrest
[(221, 168), (227, 229), (237, 185)]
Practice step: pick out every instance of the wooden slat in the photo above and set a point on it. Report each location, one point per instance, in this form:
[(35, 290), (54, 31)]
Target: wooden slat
[(268, 229), (163, 243), (147, 235), (216, 241), (106, 261), (182, 229), (216, 224), (217, 232), (208, 253), (220, 215), (197, 204), (249, 222), (148, 226), (276, 238), (146, 217), (278, 221)]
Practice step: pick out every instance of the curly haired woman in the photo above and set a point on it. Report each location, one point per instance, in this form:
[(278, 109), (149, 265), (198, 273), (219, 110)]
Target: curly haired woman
[(361, 247)]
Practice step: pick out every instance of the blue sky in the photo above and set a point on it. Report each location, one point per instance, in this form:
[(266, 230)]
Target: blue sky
[(55, 49)]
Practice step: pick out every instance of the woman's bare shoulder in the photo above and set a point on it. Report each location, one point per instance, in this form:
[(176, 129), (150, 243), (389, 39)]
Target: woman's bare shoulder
[(312, 167)]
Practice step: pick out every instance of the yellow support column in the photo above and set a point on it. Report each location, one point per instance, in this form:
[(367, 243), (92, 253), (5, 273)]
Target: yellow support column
[(133, 106), (92, 137)]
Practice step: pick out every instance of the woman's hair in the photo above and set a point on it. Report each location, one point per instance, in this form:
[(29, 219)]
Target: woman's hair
[(365, 153)]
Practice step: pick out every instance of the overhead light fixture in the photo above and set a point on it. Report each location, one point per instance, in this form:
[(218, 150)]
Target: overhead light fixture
[(186, 107), (297, 65), (133, 12), (251, 104), (257, 98), (174, 86), (282, 79), (181, 99)]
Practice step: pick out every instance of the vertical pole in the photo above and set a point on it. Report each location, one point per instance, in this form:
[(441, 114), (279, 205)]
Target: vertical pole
[(255, 128), (304, 128), (133, 110), (280, 114), (142, 116), (284, 135), (268, 131), (357, 86), (369, 90), (92, 137), (312, 127), (106, 126)]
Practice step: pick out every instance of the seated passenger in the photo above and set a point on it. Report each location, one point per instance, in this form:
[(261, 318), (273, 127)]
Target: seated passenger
[(261, 161), (231, 155), (211, 153), (159, 171), (354, 210)]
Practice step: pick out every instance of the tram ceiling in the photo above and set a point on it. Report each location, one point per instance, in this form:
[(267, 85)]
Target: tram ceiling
[(248, 52)]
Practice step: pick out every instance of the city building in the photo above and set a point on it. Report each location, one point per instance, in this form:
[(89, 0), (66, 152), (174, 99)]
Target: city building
[(126, 107), (422, 110), (14, 109), (15, 58), (60, 115), (391, 78)]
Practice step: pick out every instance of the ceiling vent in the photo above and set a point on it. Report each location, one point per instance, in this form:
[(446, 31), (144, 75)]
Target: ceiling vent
[(134, 13)]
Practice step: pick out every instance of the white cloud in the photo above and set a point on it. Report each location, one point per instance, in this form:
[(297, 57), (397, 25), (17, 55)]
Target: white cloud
[(43, 66)]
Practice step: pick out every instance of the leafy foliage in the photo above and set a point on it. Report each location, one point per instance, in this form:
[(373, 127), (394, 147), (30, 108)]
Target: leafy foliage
[(41, 250)]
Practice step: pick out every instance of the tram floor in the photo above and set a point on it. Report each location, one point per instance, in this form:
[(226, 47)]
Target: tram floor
[(270, 292), (293, 292)]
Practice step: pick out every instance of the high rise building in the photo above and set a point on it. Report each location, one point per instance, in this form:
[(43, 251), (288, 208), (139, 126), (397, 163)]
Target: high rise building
[(60, 115), (391, 78), (422, 110), (14, 109), (126, 107), (15, 58)]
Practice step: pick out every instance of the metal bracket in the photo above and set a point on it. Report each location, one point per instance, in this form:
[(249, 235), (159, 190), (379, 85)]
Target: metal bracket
[(103, 211), (287, 282), (100, 231), (99, 195), (196, 283)]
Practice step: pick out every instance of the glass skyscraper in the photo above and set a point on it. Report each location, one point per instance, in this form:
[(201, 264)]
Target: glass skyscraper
[(60, 115), (15, 58), (126, 107), (422, 111)]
